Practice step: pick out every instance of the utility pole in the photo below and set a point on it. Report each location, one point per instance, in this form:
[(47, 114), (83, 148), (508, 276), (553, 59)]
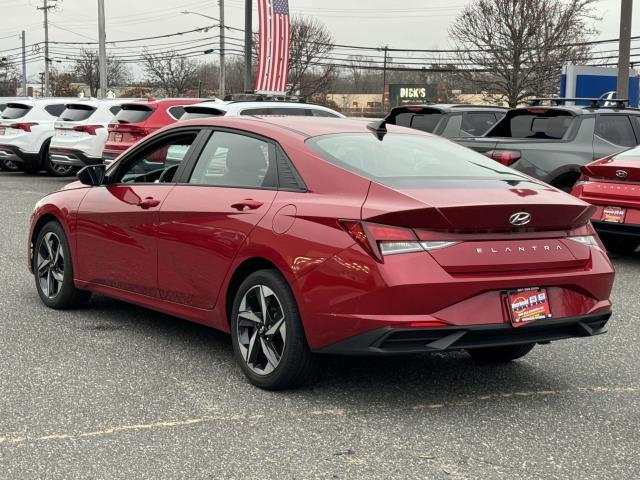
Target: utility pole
[(624, 49), (248, 13), (221, 84), (45, 8), (24, 66), (102, 50), (384, 75)]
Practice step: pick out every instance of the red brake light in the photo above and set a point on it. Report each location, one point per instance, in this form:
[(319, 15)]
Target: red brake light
[(414, 109), (26, 126), (505, 157), (90, 129), (537, 110)]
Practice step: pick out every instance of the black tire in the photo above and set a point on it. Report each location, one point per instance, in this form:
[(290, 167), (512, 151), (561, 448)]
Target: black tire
[(623, 246), (54, 170), (297, 366), (500, 354), (8, 166), (67, 295)]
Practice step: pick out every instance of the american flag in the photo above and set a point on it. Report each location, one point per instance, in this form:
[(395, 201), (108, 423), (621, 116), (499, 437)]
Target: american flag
[(274, 40)]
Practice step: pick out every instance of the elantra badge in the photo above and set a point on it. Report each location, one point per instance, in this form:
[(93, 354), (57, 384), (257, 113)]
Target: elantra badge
[(520, 218), (621, 174)]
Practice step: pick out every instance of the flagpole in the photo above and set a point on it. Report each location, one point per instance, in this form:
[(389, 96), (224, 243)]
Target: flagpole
[(248, 10)]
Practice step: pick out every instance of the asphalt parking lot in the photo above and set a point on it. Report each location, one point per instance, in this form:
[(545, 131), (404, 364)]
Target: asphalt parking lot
[(117, 391)]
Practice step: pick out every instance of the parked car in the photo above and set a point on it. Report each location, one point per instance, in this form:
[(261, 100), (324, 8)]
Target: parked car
[(243, 107), (81, 131), (552, 142), (326, 235), (612, 184), (136, 120), (447, 120), (26, 128), (8, 165)]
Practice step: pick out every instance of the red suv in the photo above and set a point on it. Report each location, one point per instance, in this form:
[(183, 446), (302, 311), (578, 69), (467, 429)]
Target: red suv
[(136, 120)]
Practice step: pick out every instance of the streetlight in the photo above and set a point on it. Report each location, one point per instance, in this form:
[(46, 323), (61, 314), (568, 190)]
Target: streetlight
[(222, 27)]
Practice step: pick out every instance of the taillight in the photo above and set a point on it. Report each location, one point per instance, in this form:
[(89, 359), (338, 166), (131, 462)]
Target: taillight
[(381, 240), (26, 126), (505, 157), (582, 180), (90, 129), (131, 129)]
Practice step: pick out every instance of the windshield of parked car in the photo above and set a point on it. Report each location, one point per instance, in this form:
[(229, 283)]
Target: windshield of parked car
[(536, 122), (15, 110), (405, 156), (77, 113)]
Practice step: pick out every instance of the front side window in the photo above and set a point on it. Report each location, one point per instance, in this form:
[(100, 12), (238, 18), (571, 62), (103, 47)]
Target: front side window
[(616, 129), (159, 162), (234, 160), (405, 158)]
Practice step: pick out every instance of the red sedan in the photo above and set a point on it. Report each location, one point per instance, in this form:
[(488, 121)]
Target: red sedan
[(308, 235), (612, 185)]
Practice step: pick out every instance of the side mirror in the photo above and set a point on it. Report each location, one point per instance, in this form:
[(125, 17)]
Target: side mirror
[(92, 175)]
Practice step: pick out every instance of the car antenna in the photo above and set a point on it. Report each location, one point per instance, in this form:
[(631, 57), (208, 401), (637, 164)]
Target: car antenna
[(379, 128)]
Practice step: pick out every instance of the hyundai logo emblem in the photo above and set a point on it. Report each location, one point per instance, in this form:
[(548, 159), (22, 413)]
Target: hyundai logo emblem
[(520, 218), (621, 174)]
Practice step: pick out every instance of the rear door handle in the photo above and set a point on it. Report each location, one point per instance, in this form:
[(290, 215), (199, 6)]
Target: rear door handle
[(148, 203), (249, 203)]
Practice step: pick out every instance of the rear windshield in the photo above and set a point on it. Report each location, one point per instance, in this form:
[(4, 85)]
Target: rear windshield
[(133, 114), (425, 122), (15, 110), (533, 123), (200, 112), (405, 157), (77, 113)]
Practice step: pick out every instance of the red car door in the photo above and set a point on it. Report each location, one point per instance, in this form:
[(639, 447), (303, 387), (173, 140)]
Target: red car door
[(116, 237), (205, 221)]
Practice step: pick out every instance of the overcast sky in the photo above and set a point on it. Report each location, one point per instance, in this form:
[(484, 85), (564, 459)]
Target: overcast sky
[(398, 23)]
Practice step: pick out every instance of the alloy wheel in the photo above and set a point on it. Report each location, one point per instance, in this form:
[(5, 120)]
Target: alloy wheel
[(261, 329), (62, 170), (50, 265)]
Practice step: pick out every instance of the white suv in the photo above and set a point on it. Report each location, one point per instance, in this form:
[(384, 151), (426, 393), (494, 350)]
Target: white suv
[(26, 128), (241, 107), (82, 130)]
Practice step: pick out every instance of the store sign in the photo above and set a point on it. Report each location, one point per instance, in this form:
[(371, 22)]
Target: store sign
[(418, 93)]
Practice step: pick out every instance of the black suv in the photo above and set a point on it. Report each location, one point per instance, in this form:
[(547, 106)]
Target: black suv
[(447, 120)]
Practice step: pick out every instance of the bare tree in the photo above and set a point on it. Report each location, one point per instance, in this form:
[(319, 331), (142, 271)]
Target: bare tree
[(311, 43), (175, 74), (9, 78), (60, 84), (520, 45), (87, 70)]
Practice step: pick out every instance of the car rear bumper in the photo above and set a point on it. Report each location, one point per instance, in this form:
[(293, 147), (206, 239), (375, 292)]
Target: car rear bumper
[(67, 156), (19, 156), (617, 229), (398, 341)]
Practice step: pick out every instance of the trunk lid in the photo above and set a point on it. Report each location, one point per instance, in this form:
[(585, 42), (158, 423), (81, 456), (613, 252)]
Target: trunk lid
[(471, 205), (617, 170)]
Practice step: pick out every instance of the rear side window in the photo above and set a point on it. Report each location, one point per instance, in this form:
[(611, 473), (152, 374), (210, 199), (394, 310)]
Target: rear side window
[(616, 129), (275, 111), (419, 121), (77, 113), (15, 110), (477, 123), (176, 112), (133, 114), (533, 123), (115, 109), (405, 158), (201, 112), (55, 110)]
